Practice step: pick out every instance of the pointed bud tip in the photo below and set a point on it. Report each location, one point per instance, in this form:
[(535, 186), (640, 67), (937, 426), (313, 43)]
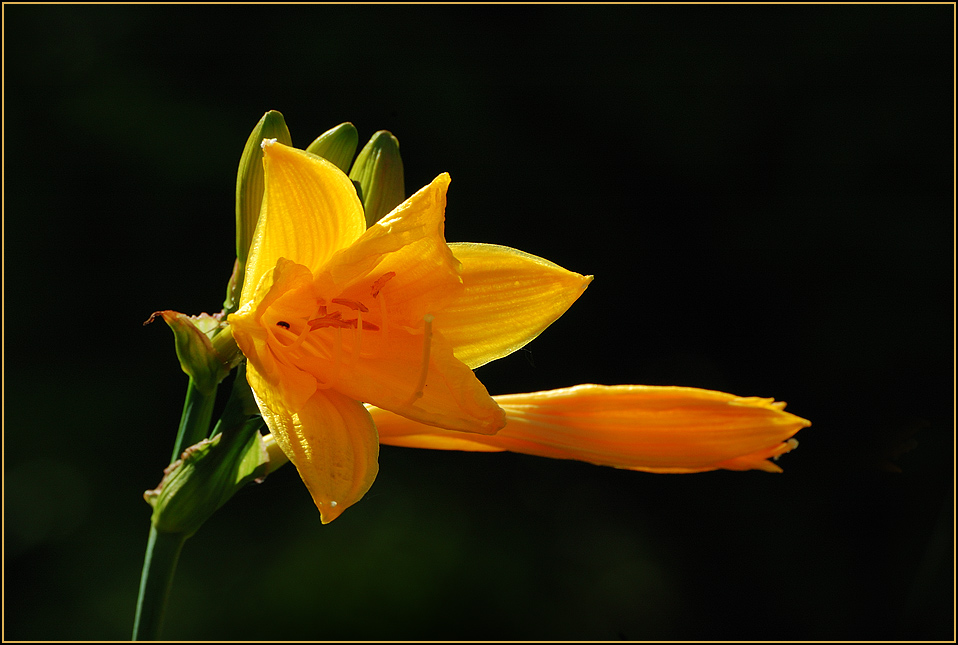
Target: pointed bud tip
[(337, 145), (382, 137)]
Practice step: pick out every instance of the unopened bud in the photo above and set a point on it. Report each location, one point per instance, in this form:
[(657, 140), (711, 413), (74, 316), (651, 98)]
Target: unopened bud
[(337, 145), (249, 181), (204, 478), (204, 346), (378, 174)]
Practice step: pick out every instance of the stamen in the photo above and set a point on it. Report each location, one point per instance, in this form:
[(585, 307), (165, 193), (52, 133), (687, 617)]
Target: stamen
[(380, 281), (334, 319), (297, 342), (355, 305), (337, 354), (383, 315), (358, 335), (424, 368)]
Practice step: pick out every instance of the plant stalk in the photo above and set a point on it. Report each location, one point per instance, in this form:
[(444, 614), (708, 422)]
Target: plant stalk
[(195, 420), (163, 549), (162, 553)]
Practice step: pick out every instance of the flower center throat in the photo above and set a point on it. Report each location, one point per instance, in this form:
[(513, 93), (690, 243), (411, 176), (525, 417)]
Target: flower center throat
[(335, 334)]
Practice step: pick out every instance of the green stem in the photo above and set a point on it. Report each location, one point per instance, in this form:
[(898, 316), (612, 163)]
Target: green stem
[(162, 552), (195, 422), (163, 549)]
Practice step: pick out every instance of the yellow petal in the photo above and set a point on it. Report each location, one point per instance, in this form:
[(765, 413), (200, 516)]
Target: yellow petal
[(510, 297), (286, 292), (659, 429), (310, 211), (331, 440), (407, 247)]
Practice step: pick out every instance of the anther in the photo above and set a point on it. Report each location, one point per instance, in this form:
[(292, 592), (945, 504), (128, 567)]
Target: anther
[(334, 319), (377, 286), (355, 305)]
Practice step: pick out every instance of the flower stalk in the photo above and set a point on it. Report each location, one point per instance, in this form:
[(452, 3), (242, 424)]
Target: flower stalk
[(163, 549), (162, 553), (199, 480), (195, 420)]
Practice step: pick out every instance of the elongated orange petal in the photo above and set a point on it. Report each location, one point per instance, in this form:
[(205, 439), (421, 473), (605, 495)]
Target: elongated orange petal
[(659, 429), (331, 440), (310, 211), (510, 297)]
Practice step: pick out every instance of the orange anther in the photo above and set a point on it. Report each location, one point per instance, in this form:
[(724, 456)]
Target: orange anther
[(332, 320), (352, 304)]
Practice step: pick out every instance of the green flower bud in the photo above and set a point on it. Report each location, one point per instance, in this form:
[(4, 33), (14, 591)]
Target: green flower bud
[(249, 189), (205, 349), (205, 477), (337, 145), (378, 175)]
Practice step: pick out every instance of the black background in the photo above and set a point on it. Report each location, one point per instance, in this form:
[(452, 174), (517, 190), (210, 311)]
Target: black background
[(764, 194)]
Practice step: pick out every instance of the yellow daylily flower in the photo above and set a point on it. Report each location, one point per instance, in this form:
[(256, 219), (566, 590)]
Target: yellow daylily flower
[(334, 315), (638, 427)]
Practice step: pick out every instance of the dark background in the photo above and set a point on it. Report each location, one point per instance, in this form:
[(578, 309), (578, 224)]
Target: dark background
[(764, 194)]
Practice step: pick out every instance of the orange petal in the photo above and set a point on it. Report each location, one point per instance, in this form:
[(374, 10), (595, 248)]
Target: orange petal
[(409, 248), (412, 373), (659, 429), (331, 440)]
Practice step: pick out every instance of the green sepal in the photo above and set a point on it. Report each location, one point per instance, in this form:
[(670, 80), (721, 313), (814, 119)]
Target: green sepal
[(207, 475), (378, 175), (337, 145), (206, 350), (249, 186)]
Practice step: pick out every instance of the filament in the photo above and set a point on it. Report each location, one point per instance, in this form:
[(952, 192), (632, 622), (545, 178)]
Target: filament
[(424, 368), (358, 335)]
